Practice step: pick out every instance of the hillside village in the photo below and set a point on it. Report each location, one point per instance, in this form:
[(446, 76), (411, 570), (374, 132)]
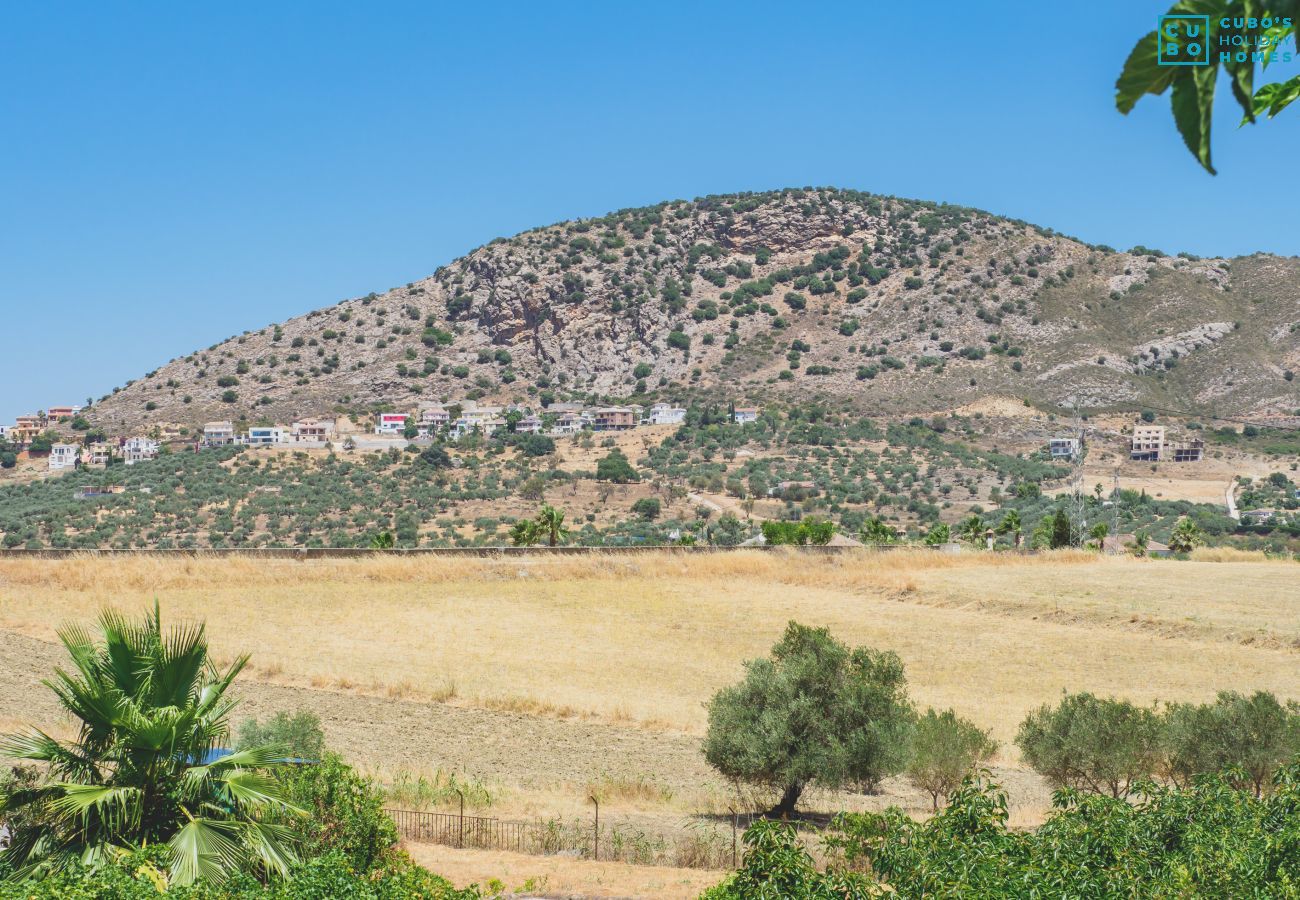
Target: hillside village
[(867, 338), (47, 432), (690, 472)]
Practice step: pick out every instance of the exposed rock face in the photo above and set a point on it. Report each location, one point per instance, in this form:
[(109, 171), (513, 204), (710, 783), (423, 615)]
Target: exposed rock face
[(884, 303), (1157, 353)]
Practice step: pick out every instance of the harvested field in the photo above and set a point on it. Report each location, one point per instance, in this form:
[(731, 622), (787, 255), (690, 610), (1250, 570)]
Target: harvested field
[(547, 678), (645, 640)]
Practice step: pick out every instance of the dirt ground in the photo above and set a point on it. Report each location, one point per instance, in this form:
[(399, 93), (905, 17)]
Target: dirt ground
[(561, 877)]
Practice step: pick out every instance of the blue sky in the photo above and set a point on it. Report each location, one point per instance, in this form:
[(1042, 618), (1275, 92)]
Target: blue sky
[(171, 175)]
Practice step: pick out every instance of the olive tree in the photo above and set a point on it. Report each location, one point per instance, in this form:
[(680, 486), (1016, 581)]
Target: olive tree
[(945, 749), (1100, 745), (814, 713), (1252, 735)]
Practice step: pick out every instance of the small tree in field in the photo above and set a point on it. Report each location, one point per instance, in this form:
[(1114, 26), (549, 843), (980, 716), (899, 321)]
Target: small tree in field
[(1253, 735), (945, 749), (815, 712), (1092, 744), (616, 468)]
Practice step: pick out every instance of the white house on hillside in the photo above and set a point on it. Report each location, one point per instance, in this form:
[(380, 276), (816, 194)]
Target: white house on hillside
[(744, 414), (138, 449), (665, 414), (266, 435), (218, 434), (64, 456), (1063, 448)]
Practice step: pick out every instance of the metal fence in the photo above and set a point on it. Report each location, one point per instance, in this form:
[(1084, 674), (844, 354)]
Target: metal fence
[(707, 845), (466, 831)]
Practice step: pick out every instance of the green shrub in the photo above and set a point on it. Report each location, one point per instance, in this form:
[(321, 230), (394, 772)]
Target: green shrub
[(945, 750), (298, 735), (647, 508), (776, 866), (1209, 840), (1252, 736), (1092, 744), (616, 468)]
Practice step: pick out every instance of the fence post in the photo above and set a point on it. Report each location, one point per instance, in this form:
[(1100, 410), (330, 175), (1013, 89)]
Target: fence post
[(734, 821), (460, 835), (595, 852)]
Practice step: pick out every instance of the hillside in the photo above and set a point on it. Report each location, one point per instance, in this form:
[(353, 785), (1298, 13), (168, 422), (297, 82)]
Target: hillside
[(894, 305)]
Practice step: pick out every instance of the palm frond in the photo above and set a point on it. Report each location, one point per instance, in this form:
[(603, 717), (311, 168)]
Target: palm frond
[(205, 849), (38, 746), (117, 808), (252, 789), (273, 845)]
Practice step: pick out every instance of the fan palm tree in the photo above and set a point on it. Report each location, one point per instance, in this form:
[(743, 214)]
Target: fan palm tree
[(525, 533), (939, 533), (1012, 525), (1186, 536), (145, 767), (972, 530), (551, 522)]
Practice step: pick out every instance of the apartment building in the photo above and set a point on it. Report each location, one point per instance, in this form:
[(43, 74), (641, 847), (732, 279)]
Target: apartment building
[(1147, 443), (613, 418)]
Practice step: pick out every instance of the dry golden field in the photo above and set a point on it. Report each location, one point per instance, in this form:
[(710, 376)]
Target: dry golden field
[(549, 677), (646, 639)]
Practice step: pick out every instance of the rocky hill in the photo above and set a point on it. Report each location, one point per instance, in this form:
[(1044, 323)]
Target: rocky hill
[(891, 305)]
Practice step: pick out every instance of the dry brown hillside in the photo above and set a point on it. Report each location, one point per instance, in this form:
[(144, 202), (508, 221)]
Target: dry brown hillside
[(898, 305)]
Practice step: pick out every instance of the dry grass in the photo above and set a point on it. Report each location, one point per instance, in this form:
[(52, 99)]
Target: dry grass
[(647, 639)]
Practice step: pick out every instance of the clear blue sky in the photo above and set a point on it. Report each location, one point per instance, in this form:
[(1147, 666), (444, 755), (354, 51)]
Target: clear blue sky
[(172, 174)]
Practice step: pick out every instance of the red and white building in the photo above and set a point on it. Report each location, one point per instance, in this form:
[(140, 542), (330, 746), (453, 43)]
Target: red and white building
[(391, 423)]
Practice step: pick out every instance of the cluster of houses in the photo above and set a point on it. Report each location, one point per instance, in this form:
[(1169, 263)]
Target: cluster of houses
[(1148, 443), (310, 432), (429, 419), (26, 428), (101, 454), (460, 419), (97, 454)]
